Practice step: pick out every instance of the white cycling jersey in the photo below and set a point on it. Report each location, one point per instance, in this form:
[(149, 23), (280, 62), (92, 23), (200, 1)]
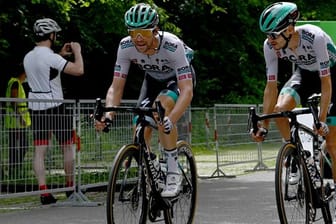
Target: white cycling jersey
[(316, 52), (43, 68), (172, 58)]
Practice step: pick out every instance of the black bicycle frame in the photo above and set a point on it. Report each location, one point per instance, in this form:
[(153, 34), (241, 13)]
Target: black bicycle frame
[(312, 168), (139, 140), (294, 124)]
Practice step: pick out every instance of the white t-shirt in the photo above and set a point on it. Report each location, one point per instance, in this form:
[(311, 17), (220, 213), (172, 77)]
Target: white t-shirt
[(43, 68)]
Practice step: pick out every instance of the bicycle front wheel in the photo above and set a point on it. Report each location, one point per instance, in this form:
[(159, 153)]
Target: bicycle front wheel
[(126, 198), (294, 200), (184, 206)]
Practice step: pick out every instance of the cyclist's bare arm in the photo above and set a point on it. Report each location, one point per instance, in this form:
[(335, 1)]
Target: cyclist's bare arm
[(326, 88), (113, 98), (325, 97), (115, 92), (270, 97)]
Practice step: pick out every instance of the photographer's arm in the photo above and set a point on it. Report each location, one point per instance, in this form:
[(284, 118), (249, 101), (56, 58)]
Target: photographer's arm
[(76, 67)]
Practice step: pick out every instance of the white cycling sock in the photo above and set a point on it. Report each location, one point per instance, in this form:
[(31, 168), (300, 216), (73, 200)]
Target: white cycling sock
[(171, 156)]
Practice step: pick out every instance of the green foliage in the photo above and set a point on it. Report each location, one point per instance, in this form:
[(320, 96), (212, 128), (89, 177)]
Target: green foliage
[(225, 51), (224, 34)]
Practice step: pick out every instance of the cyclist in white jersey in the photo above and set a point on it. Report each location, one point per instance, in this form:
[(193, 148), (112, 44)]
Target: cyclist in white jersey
[(168, 76), (43, 68), (314, 55)]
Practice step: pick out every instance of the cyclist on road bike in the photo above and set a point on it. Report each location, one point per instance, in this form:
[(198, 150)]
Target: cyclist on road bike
[(314, 54), (168, 77)]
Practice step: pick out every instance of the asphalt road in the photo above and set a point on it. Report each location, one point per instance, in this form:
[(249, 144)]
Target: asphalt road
[(244, 199)]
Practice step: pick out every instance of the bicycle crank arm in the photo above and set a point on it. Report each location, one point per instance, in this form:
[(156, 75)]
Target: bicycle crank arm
[(163, 203)]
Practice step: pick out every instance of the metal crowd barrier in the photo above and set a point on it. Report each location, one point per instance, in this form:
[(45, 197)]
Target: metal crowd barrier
[(209, 128), (230, 123), (16, 168)]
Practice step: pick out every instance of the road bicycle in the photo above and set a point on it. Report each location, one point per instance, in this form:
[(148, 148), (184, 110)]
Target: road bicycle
[(137, 177), (306, 155)]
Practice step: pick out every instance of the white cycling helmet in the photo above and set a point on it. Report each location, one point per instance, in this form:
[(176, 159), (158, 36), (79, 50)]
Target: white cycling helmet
[(45, 26)]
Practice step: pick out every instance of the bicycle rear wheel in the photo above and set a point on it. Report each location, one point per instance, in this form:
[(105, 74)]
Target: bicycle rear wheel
[(184, 206), (294, 201), (126, 198), (329, 208)]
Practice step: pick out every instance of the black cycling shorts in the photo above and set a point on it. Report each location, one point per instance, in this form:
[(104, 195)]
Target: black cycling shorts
[(306, 83)]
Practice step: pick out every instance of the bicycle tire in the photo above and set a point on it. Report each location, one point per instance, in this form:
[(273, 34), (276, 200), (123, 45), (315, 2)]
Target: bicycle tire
[(294, 202), (126, 198), (329, 207), (184, 206)]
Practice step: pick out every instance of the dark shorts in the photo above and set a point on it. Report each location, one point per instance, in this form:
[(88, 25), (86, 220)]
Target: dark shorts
[(151, 88), (57, 121), (306, 83)]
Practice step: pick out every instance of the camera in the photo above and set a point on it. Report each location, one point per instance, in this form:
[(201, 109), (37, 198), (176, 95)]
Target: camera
[(68, 48)]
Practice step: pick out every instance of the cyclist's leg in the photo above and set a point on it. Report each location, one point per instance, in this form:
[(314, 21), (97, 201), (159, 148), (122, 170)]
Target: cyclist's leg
[(331, 122), (288, 99), (294, 93), (331, 145), (329, 187), (149, 90), (329, 211), (168, 98)]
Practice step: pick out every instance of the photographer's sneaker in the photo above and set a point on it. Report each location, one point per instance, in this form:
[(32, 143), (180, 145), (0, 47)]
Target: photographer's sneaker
[(173, 185), (47, 199), (294, 178)]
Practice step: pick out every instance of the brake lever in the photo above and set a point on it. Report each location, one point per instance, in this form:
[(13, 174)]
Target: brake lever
[(98, 114), (314, 110), (160, 110), (252, 122)]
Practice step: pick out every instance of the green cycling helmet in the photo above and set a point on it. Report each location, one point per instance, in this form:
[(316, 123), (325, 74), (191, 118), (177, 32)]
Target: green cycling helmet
[(141, 16), (278, 16)]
